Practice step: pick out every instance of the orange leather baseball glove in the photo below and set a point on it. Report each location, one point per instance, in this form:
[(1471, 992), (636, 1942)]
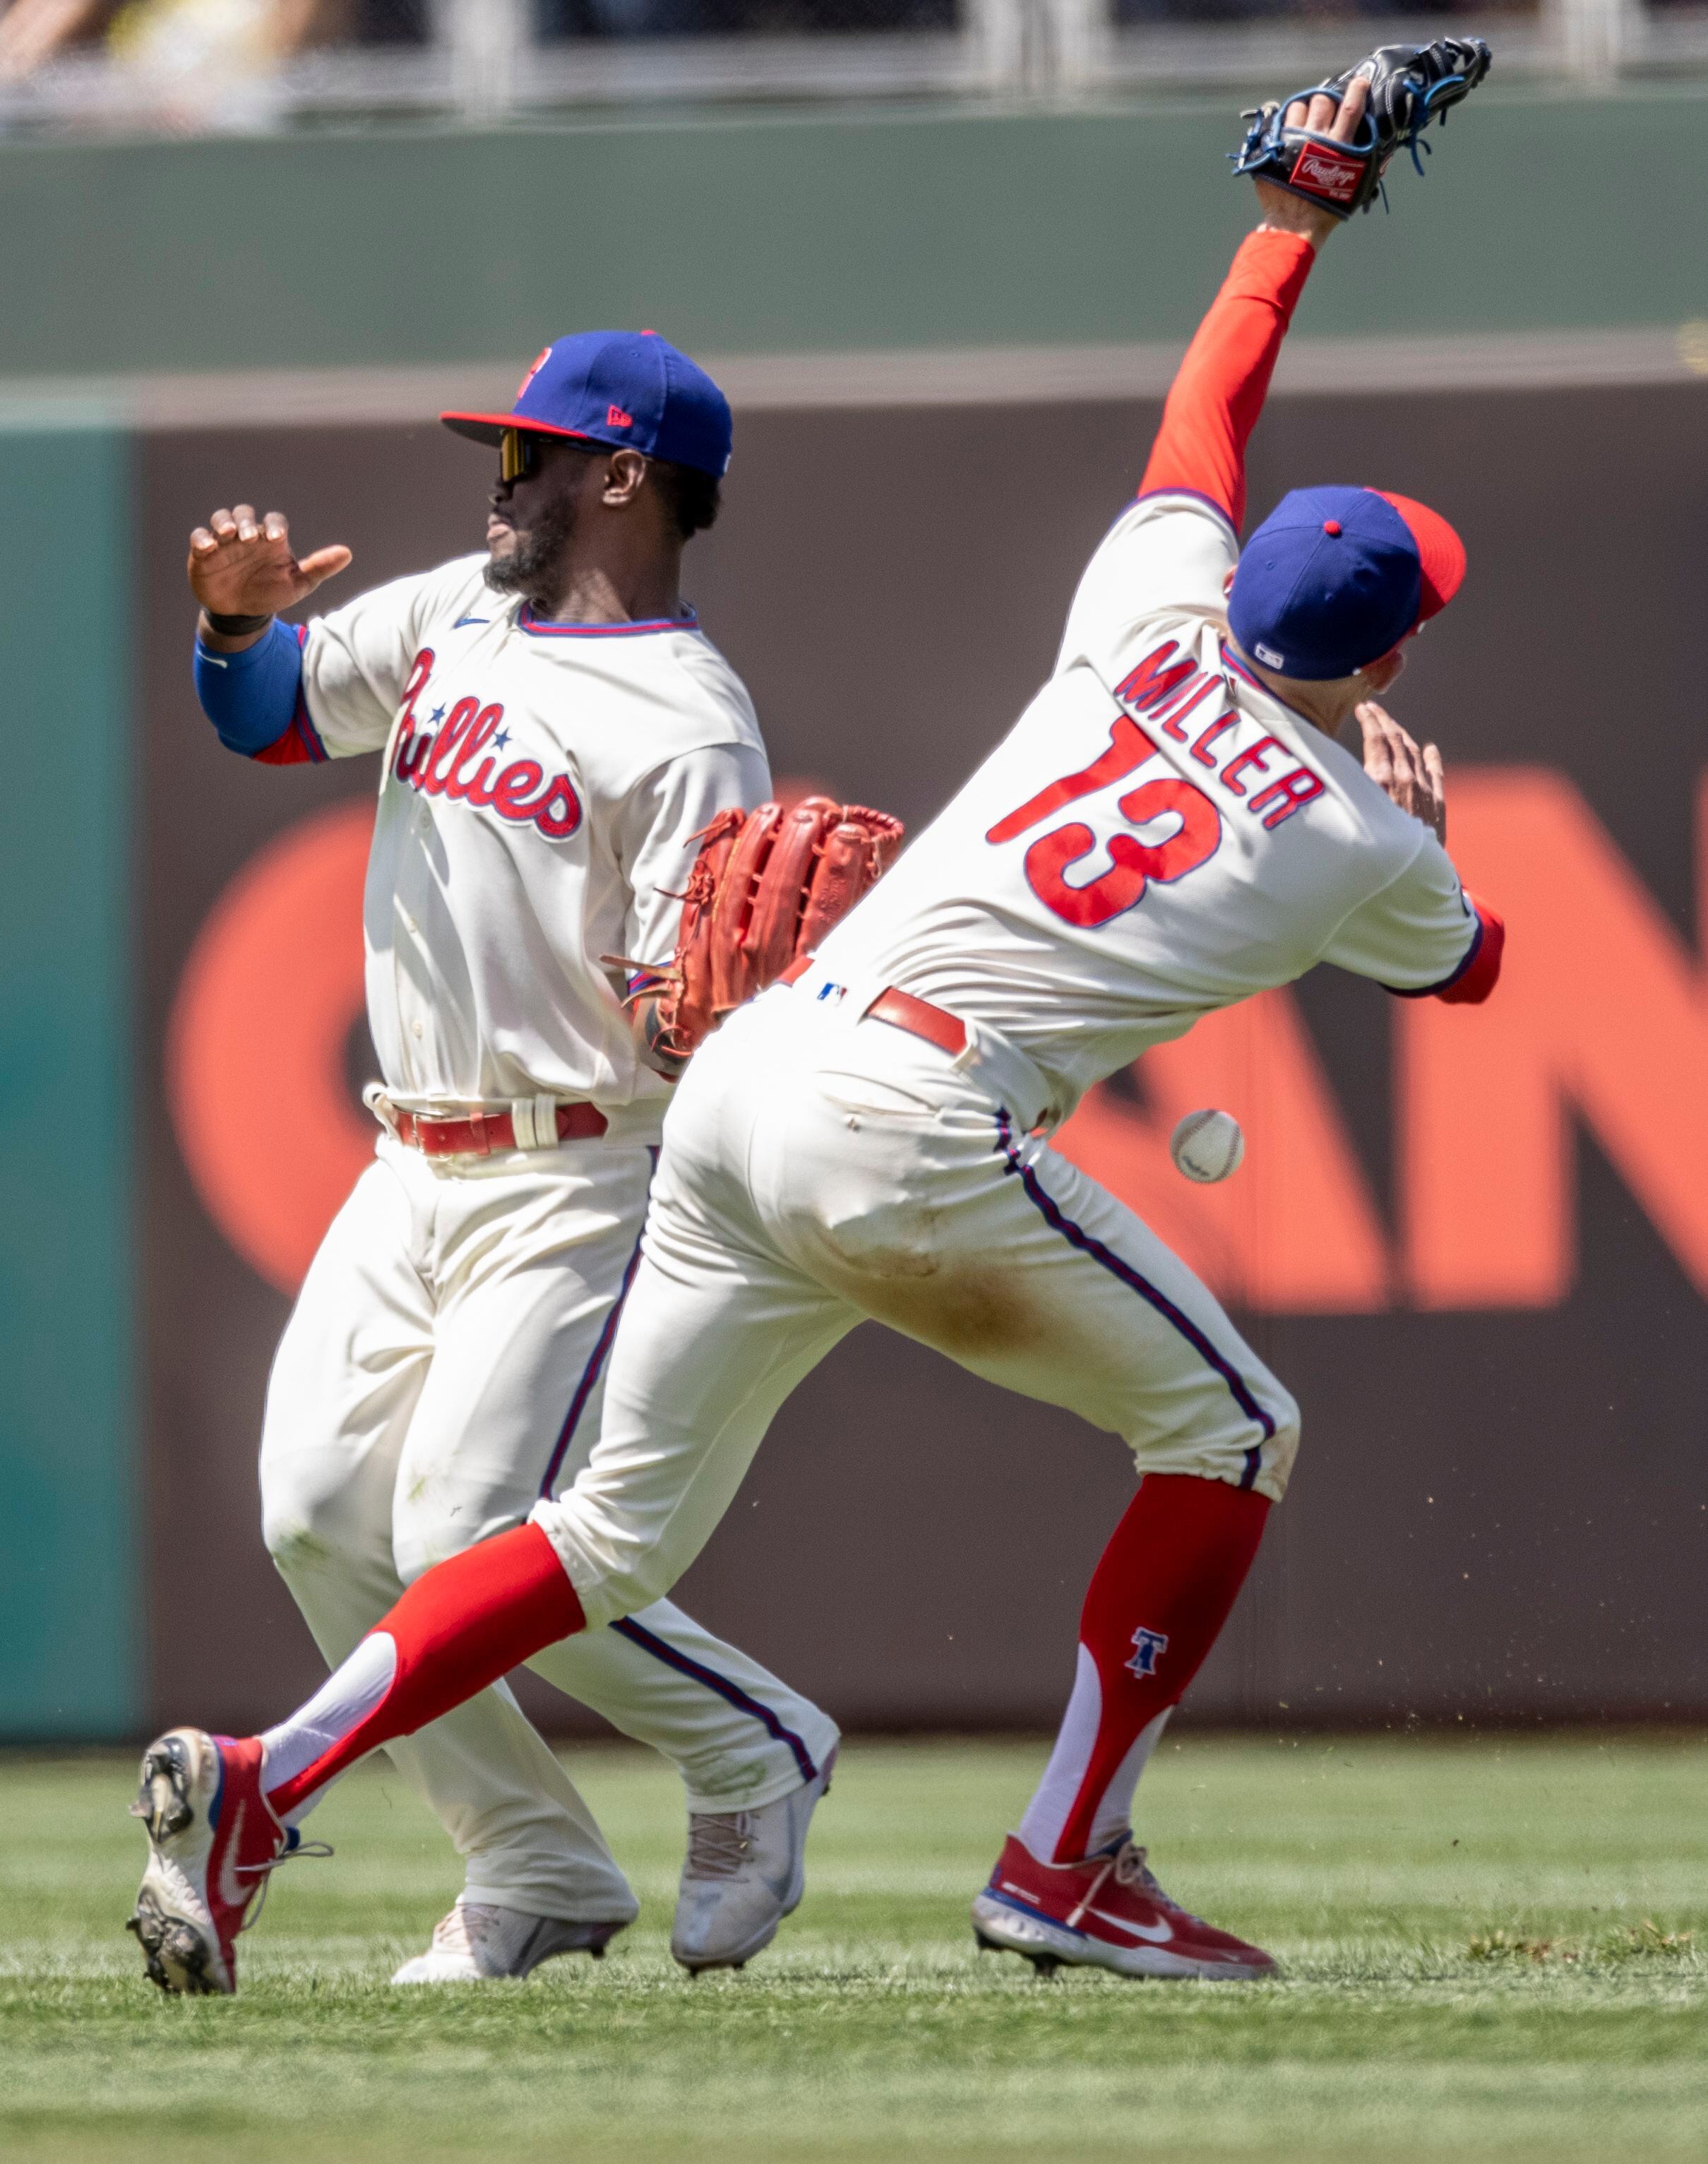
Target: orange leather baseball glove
[(767, 886)]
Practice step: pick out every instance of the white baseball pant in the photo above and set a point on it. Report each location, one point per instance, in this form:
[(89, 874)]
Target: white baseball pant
[(443, 1369), (817, 1169)]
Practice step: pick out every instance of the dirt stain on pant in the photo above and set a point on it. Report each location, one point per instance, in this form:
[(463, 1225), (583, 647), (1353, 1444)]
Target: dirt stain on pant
[(296, 1551), (969, 1311), (890, 1260)]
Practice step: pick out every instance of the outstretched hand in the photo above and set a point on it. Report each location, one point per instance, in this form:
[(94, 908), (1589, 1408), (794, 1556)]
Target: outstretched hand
[(1283, 212), (242, 565), (1414, 778)]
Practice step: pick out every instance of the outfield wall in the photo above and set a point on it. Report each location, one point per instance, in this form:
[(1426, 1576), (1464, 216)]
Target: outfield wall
[(71, 1554), (902, 227)]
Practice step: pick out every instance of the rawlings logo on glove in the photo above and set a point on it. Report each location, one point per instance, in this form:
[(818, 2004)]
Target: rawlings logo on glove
[(1332, 176), (1409, 85), (767, 886)]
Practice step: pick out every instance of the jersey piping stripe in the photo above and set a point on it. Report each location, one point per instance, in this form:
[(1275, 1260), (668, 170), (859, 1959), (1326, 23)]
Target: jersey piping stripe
[(1057, 1219), (301, 718), (661, 1649), (526, 621), (1240, 669), (1447, 984), (1231, 660), (307, 733), (594, 1369)]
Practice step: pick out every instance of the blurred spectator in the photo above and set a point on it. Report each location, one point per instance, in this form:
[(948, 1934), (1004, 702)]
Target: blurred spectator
[(186, 39), (31, 31)]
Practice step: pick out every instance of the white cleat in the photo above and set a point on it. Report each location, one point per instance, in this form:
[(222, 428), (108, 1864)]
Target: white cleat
[(746, 1871), (478, 1942), (212, 1842)]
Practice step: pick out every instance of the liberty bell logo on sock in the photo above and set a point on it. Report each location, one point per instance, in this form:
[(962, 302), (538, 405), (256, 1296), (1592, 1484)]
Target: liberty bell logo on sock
[(1149, 1647)]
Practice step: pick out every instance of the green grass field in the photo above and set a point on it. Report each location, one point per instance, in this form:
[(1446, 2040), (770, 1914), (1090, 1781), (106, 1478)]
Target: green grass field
[(1484, 1943)]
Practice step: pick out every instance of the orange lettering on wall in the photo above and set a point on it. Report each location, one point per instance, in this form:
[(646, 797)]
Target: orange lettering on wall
[(1601, 1010), (1294, 1230), (255, 1045)]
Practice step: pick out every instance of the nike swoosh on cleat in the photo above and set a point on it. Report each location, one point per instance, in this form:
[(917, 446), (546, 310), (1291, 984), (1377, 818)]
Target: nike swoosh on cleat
[(229, 1891), (1158, 1934)]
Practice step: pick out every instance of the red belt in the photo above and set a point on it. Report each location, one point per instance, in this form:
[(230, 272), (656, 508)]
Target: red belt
[(936, 1025), (483, 1132), (902, 1011)]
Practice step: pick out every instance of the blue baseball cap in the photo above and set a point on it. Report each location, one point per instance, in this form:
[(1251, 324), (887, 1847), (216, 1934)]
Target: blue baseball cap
[(1336, 577), (617, 387)]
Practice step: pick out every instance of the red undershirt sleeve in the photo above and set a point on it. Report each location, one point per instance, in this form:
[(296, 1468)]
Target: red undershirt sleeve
[(1219, 390)]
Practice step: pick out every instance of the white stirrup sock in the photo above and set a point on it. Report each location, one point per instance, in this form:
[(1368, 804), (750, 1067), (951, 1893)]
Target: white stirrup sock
[(346, 1698)]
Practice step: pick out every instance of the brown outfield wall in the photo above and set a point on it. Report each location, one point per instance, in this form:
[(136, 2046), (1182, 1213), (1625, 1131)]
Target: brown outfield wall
[(1475, 1246)]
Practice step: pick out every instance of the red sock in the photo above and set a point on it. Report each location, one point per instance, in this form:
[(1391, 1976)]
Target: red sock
[(460, 1627), (1155, 1605)]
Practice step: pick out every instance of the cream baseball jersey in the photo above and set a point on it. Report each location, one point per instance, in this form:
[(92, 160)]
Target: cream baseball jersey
[(1158, 837), (541, 788)]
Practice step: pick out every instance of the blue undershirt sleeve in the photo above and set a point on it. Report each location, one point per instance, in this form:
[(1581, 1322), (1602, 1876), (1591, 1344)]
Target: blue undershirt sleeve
[(251, 696)]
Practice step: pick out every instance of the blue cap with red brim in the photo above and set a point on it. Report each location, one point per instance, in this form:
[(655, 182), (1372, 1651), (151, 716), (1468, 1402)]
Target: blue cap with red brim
[(1335, 578), (618, 387)]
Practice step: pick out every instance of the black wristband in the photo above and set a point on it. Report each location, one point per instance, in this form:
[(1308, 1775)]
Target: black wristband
[(236, 627)]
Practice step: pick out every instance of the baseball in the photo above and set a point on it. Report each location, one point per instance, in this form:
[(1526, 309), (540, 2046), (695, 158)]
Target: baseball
[(1208, 1145)]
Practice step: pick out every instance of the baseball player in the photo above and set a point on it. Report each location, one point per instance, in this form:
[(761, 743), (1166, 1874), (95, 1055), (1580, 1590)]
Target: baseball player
[(1171, 827), (554, 730)]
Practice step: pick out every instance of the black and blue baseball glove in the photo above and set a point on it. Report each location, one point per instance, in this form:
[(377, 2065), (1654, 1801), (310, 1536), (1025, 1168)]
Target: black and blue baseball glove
[(1409, 85)]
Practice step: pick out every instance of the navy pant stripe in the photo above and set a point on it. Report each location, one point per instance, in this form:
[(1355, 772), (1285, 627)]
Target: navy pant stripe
[(594, 1369), (1076, 1235), (637, 1634)]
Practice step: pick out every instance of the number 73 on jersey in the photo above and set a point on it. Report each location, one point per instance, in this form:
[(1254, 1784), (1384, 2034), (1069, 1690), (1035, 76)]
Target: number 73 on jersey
[(1169, 695)]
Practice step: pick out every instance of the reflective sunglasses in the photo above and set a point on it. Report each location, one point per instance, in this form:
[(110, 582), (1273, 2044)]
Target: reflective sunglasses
[(518, 454)]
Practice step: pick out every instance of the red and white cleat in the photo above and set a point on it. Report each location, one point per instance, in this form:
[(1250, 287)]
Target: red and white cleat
[(212, 1841), (1107, 1912)]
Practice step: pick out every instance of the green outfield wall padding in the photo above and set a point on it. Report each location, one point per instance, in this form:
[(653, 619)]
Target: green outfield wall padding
[(813, 231), (69, 1509)]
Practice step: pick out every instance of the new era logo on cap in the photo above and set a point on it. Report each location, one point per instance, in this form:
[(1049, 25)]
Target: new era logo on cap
[(618, 387)]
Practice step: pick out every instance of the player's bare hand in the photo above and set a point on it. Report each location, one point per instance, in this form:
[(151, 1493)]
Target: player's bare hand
[(243, 565), (1414, 778), (1289, 213)]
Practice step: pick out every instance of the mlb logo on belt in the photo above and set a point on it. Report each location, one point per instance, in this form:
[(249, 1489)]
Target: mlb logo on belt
[(1327, 172)]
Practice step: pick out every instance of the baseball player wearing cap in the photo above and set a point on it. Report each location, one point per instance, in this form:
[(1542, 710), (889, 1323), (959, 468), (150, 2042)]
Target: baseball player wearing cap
[(555, 731), (1171, 827)]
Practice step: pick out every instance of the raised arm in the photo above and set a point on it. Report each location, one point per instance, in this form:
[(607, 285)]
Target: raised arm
[(243, 571), (249, 665), (1219, 391)]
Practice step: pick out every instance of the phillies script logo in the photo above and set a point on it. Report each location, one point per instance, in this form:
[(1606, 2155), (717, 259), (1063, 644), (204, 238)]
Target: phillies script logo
[(1330, 174), (448, 761)]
